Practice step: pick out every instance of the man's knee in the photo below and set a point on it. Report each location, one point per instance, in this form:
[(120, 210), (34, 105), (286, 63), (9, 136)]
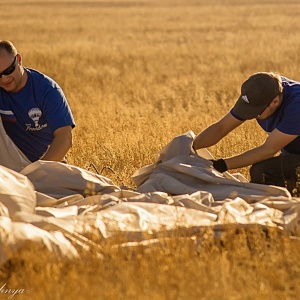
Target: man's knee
[(258, 173), (267, 172), (281, 171)]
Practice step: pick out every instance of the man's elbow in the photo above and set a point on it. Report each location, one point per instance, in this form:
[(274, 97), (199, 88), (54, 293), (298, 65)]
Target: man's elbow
[(65, 140), (69, 140), (269, 152)]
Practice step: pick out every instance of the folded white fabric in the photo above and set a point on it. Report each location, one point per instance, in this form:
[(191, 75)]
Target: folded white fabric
[(16, 193)]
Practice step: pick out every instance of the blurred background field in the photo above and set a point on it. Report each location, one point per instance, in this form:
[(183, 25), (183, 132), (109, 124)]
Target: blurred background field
[(137, 74)]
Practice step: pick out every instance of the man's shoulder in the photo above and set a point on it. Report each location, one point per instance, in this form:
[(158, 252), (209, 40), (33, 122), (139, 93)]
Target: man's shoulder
[(41, 79), (291, 92), (290, 83)]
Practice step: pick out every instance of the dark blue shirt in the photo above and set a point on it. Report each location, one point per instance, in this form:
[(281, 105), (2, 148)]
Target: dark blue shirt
[(31, 115)]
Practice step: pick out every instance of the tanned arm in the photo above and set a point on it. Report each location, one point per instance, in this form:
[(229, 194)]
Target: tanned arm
[(274, 143), (60, 145), (215, 132)]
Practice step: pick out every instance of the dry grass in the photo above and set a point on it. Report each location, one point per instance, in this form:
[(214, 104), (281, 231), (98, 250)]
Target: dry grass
[(136, 74), (242, 264)]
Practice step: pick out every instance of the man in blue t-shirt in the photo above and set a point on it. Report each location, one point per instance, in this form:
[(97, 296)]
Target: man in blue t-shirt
[(274, 101), (33, 108)]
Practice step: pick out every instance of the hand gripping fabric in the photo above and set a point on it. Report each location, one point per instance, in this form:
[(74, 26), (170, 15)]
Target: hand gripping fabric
[(220, 165)]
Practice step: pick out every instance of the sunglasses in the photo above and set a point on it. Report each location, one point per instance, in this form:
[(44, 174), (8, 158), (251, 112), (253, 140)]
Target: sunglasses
[(10, 69)]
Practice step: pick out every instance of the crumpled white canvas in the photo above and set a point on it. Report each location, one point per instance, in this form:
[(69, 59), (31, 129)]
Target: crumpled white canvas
[(58, 179), (10, 155), (178, 170), (14, 234), (16, 193), (48, 203)]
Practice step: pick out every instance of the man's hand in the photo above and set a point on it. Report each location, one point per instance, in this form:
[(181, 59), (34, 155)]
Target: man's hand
[(220, 165)]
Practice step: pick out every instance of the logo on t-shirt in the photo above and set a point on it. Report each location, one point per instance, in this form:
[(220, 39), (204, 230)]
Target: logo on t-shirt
[(35, 114)]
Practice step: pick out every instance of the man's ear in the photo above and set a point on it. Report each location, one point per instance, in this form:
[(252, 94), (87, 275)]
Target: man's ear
[(276, 101), (19, 58)]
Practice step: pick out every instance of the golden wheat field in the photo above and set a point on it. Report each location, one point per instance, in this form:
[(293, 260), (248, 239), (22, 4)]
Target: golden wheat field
[(136, 74)]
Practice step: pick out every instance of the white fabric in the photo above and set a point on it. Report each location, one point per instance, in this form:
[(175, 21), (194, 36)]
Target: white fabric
[(16, 193), (10, 155), (14, 234), (178, 171), (61, 206), (59, 180)]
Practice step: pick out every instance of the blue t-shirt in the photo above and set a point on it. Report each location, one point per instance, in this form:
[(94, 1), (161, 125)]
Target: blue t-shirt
[(31, 115), (287, 117)]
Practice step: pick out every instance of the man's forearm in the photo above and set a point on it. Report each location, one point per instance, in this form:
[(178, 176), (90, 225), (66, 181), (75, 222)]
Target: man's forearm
[(215, 132), (207, 138), (56, 151), (248, 158), (58, 148)]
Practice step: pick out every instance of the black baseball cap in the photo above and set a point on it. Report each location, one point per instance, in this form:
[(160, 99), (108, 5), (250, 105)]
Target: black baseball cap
[(257, 92)]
